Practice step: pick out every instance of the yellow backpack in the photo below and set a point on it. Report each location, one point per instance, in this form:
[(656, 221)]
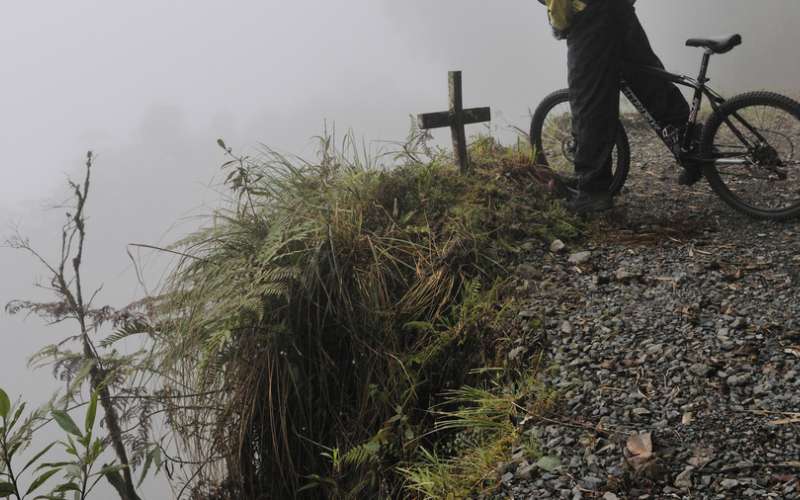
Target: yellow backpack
[(561, 13)]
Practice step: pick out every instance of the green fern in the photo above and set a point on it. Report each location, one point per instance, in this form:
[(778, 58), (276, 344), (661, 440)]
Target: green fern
[(126, 330), (328, 297)]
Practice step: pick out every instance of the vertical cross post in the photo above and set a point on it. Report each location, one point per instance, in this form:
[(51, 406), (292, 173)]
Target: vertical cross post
[(457, 122), (456, 119)]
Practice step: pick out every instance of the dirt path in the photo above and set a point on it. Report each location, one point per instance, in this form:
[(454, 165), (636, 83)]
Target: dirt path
[(682, 324)]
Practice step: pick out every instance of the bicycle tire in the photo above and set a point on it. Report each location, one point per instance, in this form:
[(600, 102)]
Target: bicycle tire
[(540, 116), (730, 110)]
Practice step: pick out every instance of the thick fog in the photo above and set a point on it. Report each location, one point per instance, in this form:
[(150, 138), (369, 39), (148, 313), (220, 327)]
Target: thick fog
[(150, 85)]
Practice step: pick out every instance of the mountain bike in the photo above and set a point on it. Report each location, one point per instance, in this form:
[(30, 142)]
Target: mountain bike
[(748, 146)]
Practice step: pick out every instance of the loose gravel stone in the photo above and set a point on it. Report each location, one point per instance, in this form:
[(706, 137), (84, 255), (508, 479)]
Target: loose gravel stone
[(684, 325), (729, 484), (626, 275), (591, 483), (739, 380), (557, 246), (525, 471), (684, 479), (580, 258), (517, 352), (701, 369)]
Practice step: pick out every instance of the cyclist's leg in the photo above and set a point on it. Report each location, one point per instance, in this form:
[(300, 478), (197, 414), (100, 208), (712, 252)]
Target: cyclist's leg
[(593, 57), (662, 99)]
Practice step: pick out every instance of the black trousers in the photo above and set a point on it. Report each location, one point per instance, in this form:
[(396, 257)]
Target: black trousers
[(604, 35)]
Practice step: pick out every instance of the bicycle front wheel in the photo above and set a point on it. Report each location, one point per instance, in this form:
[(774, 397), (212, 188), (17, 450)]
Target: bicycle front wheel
[(752, 147), (554, 142)]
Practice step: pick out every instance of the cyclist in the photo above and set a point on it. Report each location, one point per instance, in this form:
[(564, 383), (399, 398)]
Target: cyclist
[(600, 35)]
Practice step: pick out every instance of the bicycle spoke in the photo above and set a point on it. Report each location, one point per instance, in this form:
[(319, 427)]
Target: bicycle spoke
[(556, 138), (556, 146)]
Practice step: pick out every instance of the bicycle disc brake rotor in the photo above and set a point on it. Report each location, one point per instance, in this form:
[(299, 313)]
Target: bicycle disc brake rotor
[(568, 149)]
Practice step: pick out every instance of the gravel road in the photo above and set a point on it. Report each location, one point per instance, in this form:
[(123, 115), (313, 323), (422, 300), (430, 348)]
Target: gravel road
[(679, 323)]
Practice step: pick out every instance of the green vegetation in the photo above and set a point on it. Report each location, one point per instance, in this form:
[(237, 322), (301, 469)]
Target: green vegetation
[(339, 328), (94, 373), (78, 473), (323, 316)]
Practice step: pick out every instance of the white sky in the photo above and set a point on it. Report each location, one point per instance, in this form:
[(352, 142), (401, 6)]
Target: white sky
[(150, 85)]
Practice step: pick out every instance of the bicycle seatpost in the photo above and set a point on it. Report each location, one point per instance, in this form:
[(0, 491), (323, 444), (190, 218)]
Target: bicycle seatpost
[(703, 76)]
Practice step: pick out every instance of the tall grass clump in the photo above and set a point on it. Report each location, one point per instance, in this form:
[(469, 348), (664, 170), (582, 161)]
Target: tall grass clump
[(315, 322)]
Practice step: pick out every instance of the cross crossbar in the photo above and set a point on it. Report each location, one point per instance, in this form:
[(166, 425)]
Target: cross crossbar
[(445, 119)]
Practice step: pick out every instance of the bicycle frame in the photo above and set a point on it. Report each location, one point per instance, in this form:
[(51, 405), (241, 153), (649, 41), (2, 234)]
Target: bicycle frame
[(701, 89)]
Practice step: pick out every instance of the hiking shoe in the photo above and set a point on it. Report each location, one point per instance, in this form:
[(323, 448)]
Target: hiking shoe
[(586, 202), (690, 175), (692, 169), (569, 181), (562, 186)]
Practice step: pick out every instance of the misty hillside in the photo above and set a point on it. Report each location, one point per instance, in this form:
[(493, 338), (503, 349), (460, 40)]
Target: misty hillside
[(360, 320), (344, 328)]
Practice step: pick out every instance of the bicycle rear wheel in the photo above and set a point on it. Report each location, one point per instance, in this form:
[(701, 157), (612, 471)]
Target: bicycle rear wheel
[(754, 141), (554, 142)]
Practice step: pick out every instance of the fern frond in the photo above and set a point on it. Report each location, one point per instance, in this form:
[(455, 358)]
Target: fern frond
[(128, 329)]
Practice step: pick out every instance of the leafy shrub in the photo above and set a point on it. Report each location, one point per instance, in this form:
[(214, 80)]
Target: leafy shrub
[(316, 321), (79, 472)]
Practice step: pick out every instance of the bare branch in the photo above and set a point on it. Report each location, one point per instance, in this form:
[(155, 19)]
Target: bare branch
[(71, 305)]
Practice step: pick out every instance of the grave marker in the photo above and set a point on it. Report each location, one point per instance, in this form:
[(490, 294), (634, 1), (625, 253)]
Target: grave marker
[(456, 118)]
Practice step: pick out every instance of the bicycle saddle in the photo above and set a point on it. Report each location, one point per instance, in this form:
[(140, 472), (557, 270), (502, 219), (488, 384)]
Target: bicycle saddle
[(718, 45)]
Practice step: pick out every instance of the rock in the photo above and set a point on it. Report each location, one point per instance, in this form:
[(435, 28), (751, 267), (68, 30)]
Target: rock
[(517, 352), (729, 484), (525, 472), (566, 328), (738, 380), (505, 467), (655, 349), (640, 412), (507, 478), (527, 271), (684, 479), (557, 246), (527, 314), (701, 370), (591, 483), (701, 457), (580, 258), (610, 496), (626, 275), (549, 463)]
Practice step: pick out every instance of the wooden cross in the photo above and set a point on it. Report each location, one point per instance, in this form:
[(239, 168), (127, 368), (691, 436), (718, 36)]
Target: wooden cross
[(456, 118)]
